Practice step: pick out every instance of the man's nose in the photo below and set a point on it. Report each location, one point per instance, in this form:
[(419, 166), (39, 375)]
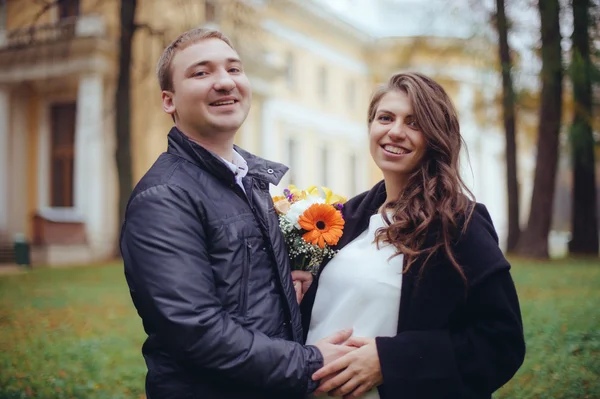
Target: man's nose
[(224, 82)]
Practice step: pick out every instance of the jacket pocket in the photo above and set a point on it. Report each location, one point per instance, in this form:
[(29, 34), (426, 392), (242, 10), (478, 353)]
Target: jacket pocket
[(245, 275)]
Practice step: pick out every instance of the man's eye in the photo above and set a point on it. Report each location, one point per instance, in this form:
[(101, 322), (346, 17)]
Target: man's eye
[(235, 70)]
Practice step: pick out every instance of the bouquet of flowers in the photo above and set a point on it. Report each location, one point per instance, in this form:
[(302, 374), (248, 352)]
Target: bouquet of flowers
[(311, 221)]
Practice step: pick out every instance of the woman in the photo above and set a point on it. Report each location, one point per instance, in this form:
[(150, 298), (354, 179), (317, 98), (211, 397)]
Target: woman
[(419, 275)]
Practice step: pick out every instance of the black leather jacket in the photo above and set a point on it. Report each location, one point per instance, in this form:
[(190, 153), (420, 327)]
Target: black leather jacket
[(209, 276)]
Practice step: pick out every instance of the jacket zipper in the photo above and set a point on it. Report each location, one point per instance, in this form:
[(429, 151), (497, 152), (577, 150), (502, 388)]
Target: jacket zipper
[(245, 272)]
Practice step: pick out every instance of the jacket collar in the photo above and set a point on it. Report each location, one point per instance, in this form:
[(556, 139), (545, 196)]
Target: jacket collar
[(181, 145)]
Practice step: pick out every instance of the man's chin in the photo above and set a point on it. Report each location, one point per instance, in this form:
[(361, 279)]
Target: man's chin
[(229, 123), (226, 127)]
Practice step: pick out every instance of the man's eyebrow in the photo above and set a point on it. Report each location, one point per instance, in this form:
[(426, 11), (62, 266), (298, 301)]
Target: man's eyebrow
[(230, 60), (195, 65)]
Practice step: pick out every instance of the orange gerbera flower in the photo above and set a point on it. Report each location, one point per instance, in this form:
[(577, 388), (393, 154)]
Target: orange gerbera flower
[(324, 224)]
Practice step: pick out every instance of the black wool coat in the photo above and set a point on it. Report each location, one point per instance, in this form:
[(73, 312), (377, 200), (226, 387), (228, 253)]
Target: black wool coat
[(452, 341)]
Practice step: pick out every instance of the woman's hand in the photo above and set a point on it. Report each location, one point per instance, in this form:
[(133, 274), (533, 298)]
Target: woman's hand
[(358, 371), (302, 281)]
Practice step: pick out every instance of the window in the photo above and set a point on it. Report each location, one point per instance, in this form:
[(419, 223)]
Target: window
[(351, 94), (289, 70), (324, 166), (62, 154), (68, 9), (210, 11), (322, 79), (292, 160)]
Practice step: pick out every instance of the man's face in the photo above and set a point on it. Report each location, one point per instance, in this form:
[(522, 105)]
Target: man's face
[(212, 95)]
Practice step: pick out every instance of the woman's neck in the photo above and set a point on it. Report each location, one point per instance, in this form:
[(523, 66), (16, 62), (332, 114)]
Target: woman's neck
[(393, 187)]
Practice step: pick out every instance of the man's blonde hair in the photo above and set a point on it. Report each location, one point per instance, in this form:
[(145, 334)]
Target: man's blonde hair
[(186, 39)]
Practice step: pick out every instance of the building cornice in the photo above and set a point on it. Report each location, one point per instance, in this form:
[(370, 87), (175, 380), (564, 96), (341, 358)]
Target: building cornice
[(326, 19)]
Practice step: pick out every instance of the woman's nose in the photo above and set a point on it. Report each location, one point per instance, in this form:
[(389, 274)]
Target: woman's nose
[(397, 131)]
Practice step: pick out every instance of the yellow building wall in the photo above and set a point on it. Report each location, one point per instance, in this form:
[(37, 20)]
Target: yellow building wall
[(150, 125), (25, 13)]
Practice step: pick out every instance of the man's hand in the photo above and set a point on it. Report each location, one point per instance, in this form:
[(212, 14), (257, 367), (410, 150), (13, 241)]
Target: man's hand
[(302, 281), (354, 374), (332, 347)]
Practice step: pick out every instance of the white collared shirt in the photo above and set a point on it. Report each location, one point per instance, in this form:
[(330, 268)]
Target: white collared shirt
[(239, 167)]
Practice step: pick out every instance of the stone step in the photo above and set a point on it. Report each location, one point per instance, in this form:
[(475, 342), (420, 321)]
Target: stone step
[(7, 249), (7, 253)]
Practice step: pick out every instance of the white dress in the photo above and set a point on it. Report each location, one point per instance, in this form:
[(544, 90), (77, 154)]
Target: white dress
[(359, 289)]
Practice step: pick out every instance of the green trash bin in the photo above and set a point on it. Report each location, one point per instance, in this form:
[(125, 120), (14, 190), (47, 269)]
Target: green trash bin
[(22, 251)]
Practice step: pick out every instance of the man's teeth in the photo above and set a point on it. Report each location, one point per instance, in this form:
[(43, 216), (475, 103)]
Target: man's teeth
[(224, 102), (395, 150)]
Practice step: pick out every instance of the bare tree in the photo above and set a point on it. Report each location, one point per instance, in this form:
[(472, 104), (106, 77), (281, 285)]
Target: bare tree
[(123, 105), (508, 107), (584, 210), (533, 241)]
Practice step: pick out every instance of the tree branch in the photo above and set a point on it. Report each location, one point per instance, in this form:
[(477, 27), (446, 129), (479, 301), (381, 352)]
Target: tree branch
[(148, 28), (48, 4)]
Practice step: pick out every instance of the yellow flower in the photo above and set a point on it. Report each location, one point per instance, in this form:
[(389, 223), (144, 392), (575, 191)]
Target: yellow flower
[(313, 191), (331, 198), (298, 195)]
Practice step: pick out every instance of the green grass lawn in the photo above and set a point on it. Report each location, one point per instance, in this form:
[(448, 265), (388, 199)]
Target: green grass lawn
[(73, 333)]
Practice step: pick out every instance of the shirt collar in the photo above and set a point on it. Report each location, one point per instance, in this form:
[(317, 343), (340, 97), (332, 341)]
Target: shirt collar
[(239, 166)]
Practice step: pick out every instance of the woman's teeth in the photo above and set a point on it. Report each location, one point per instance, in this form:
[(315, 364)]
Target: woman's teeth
[(395, 150)]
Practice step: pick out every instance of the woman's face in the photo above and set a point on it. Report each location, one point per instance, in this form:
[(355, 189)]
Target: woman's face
[(396, 142)]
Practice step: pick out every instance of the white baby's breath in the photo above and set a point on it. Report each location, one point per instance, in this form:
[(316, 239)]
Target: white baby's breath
[(303, 255)]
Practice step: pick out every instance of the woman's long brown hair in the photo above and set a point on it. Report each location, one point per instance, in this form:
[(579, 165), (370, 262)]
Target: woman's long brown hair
[(435, 199)]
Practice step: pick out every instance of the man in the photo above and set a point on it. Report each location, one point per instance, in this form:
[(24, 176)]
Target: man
[(204, 257)]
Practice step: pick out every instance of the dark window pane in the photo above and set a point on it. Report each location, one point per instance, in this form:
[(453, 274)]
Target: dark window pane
[(62, 154), (68, 8)]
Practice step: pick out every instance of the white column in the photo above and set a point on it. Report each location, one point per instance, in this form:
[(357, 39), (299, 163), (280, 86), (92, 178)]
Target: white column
[(4, 155), (89, 158), (19, 164), (270, 147)]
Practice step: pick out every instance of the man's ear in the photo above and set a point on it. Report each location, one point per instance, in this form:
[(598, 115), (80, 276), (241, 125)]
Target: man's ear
[(167, 101)]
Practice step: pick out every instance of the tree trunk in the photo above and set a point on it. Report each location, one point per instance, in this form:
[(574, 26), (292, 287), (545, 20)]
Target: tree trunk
[(584, 211), (508, 107), (123, 106), (534, 240)]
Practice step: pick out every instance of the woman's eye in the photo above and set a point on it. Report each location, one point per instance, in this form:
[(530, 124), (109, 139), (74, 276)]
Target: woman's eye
[(234, 70), (384, 118), (199, 73)]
